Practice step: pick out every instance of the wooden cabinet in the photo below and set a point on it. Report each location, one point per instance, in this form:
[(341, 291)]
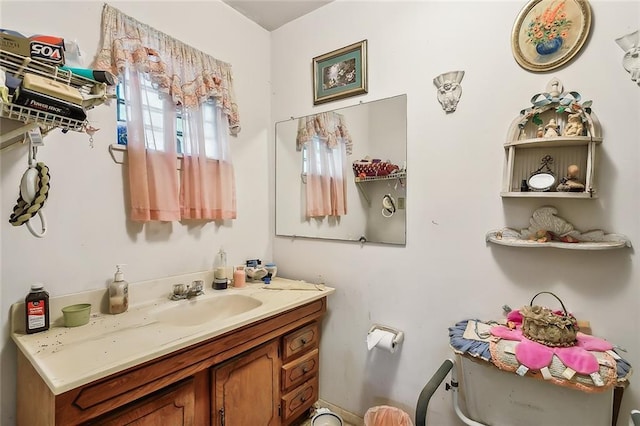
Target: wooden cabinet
[(172, 406), (532, 147), (263, 373), (246, 389), (299, 371)]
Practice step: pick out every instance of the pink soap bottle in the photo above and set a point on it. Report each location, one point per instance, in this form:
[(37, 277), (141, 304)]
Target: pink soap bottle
[(239, 277)]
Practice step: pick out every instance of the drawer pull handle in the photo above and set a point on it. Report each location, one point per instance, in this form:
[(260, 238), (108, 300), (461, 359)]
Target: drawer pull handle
[(305, 369), (303, 341)]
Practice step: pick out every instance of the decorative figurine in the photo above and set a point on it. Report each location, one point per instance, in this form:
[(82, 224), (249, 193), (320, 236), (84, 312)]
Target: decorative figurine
[(630, 43), (540, 132), (551, 129), (570, 183), (449, 89), (574, 126)]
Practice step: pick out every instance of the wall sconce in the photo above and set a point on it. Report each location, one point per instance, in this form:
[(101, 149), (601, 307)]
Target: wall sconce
[(449, 89), (630, 43)]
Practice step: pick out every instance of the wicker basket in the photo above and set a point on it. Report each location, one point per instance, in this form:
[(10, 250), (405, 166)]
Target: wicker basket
[(551, 328), (373, 168)]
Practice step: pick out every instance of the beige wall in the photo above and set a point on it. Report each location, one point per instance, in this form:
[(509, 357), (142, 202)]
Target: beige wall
[(88, 228), (447, 272)]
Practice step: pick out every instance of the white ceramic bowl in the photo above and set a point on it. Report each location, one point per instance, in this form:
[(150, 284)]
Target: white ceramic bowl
[(326, 419)]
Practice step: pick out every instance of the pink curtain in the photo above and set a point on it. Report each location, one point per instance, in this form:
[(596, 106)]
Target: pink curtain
[(327, 143), (188, 75), (153, 178), (154, 64), (208, 183)]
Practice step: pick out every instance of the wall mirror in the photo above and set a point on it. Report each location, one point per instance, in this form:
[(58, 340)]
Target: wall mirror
[(318, 195)]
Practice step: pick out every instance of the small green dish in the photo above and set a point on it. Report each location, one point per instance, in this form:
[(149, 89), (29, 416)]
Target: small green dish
[(76, 315)]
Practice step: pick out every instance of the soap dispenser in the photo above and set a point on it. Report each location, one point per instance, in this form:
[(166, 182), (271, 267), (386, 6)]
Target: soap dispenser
[(118, 293)]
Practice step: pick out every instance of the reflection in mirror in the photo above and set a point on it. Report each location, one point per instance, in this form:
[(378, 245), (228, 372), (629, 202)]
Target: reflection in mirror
[(318, 194)]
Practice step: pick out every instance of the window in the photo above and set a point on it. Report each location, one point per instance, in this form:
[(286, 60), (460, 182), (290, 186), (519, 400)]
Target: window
[(152, 105), (159, 72)]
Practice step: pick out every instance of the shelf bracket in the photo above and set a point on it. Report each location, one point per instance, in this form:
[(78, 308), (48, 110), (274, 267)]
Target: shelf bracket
[(15, 135), (363, 193)]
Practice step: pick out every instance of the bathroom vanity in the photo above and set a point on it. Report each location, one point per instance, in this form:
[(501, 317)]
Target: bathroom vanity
[(236, 357)]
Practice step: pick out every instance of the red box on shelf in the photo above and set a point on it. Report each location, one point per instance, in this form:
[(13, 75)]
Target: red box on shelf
[(43, 48)]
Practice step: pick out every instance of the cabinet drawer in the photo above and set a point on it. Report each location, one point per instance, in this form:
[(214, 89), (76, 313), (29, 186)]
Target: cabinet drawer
[(299, 370), (298, 400), (300, 341)]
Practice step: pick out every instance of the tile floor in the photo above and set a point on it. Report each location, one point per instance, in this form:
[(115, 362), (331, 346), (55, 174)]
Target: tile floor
[(349, 419)]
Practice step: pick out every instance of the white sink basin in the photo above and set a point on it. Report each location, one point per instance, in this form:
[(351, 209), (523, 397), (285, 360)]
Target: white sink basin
[(198, 311)]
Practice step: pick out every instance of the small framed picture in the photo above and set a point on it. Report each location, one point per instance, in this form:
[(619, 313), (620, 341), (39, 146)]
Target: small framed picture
[(549, 33), (340, 74)]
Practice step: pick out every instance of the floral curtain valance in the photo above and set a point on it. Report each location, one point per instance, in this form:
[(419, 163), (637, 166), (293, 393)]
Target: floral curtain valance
[(328, 126), (188, 75)]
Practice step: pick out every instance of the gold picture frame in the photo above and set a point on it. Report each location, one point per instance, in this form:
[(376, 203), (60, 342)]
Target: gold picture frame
[(549, 33), (340, 73)]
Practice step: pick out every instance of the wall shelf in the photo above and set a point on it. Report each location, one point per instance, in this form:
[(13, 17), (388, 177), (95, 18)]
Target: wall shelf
[(400, 176), (547, 230), (525, 147), (93, 93)]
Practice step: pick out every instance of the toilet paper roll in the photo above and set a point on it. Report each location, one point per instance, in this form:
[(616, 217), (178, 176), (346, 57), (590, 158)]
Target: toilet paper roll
[(381, 339)]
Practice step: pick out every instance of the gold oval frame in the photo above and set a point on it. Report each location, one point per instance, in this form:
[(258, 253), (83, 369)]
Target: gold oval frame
[(524, 52)]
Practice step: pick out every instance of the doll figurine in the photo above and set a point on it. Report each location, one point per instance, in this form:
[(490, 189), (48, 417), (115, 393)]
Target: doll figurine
[(574, 126), (570, 183), (551, 129)]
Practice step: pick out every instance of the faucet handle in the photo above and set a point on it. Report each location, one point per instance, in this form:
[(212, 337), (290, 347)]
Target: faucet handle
[(179, 291), (197, 286)]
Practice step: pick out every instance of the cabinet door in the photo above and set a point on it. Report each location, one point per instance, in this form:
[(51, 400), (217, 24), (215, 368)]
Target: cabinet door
[(245, 390), (173, 406)]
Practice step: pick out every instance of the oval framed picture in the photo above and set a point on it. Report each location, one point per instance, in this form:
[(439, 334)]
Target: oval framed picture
[(549, 33)]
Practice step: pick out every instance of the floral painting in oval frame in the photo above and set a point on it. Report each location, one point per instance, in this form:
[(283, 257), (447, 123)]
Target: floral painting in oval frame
[(549, 33)]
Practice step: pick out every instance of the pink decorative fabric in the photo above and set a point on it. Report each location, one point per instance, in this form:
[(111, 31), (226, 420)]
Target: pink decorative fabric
[(199, 84), (153, 176), (578, 359), (329, 127), (212, 177), (507, 333), (591, 343), (207, 189), (188, 75), (535, 355), (325, 196), (326, 164)]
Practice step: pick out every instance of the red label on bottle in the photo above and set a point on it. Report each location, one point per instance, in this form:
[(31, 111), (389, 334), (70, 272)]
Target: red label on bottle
[(36, 314)]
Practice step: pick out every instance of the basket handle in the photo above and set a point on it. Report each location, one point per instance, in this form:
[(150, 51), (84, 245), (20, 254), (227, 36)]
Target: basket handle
[(548, 292)]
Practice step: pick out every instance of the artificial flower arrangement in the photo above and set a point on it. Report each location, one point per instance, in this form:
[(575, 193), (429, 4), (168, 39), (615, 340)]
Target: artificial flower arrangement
[(550, 25)]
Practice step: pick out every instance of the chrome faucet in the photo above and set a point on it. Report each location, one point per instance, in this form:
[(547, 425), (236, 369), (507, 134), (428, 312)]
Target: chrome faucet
[(181, 291)]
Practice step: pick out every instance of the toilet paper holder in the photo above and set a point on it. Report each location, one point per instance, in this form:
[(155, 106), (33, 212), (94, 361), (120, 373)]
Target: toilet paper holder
[(399, 335)]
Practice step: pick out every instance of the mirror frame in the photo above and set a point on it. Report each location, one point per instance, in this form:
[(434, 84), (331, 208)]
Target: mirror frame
[(543, 179)]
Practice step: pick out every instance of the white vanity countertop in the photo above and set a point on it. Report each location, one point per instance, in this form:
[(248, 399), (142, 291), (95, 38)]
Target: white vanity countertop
[(70, 357)]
